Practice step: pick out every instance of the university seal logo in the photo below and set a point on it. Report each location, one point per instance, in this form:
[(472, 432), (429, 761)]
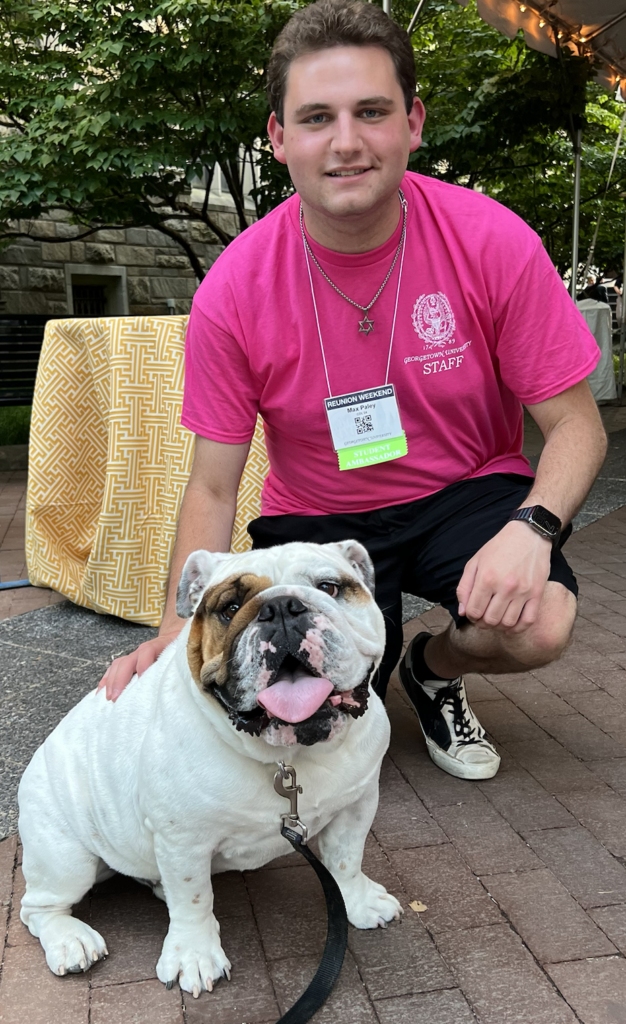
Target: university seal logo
[(433, 319)]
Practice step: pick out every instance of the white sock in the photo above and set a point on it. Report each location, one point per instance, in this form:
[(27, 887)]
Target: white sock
[(431, 686)]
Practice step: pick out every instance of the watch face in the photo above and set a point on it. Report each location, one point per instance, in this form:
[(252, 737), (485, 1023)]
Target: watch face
[(546, 521)]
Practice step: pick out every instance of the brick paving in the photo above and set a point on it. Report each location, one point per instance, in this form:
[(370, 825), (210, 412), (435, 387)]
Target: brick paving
[(12, 558), (523, 876)]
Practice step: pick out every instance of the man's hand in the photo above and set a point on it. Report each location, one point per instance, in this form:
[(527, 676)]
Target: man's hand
[(502, 585), (121, 671)]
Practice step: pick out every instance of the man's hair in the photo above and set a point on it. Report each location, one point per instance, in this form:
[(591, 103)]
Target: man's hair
[(330, 23)]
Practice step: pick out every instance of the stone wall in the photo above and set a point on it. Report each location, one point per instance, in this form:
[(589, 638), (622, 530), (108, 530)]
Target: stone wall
[(36, 273)]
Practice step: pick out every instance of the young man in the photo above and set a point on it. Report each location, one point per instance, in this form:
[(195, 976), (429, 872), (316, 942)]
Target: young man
[(367, 277)]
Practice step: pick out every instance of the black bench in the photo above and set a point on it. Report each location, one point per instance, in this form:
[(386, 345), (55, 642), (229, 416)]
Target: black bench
[(21, 338)]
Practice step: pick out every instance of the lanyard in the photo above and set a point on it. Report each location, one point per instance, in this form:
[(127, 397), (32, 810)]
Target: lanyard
[(395, 310)]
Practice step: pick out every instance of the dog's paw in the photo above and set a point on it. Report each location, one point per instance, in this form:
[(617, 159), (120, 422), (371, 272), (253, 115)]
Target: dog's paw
[(70, 945), (369, 905), (194, 958)]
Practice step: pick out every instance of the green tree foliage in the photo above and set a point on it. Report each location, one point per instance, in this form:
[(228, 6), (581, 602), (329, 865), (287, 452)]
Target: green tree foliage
[(111, 109), (500, 117)]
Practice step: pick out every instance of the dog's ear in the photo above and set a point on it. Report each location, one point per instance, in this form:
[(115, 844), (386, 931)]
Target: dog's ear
[(359, 559), (196, 576)]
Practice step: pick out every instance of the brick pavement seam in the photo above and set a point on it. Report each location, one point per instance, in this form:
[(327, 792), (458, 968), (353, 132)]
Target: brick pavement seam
[(501, 911), (544, 726), (540, 722), (425, 924), (620, 860), (183, 1005), (555, 796), (540, 966), (367, 995), (619, 953), (524, 944), (450, 988), (405, 895), (532, 955), (260, 934), (601, 956)]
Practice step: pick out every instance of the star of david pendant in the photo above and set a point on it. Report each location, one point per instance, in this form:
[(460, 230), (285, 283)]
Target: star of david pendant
[(366, 325)]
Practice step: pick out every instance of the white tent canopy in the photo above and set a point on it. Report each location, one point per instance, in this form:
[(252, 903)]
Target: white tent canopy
[(593, 27)]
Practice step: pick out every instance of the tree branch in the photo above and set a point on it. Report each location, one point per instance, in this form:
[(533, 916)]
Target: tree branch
[(196, 266), (74, 238), (232, 180), (192, 214), (210, 171)]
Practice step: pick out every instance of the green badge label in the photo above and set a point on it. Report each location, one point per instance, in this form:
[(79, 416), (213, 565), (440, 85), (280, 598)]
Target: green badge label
[(362, 455)]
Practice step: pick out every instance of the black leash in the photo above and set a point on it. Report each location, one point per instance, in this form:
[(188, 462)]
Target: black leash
[(329, 969)]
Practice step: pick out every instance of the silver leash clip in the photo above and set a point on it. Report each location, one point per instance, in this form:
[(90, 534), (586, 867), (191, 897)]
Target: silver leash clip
[(290, 818)]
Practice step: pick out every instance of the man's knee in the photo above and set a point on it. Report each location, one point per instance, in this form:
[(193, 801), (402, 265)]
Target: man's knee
[(546, 639)]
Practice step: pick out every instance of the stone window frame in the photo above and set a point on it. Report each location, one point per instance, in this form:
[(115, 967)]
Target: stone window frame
[(94, 271)]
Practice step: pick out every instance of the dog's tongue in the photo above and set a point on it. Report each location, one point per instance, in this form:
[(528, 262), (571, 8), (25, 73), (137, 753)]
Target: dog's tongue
[(295, 701)]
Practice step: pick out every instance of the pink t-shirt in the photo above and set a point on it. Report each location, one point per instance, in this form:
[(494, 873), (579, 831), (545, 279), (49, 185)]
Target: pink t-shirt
[(483, 324)]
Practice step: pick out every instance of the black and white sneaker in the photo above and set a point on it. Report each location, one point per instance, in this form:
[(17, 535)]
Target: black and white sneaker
[(454, 737)]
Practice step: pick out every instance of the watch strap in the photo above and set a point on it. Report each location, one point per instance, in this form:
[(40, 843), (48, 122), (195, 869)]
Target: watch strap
[(533, 514), (522, 513)]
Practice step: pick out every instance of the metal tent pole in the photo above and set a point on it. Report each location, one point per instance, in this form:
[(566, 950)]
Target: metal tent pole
[(576, 223), (413, 21), (387, 7), (622, 326), (592, 247)]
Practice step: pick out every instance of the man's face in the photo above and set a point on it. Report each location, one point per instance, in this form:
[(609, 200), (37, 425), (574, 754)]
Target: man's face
[(346, 136)]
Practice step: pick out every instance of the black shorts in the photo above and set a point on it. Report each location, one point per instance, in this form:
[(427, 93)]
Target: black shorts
[(420, 548)]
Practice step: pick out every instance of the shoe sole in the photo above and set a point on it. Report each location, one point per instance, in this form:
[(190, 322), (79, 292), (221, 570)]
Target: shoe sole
[(460, 770), (441, 758)]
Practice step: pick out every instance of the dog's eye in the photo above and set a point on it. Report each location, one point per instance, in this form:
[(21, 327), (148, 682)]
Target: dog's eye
[(329, 588), (229, 611)]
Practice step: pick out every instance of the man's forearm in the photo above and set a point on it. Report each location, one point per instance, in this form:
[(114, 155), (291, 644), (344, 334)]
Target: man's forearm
[(204, 522), (572, 457)]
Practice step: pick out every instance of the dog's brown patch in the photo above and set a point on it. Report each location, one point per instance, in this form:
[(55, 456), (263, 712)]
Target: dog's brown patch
[(210, 637), (354, 591)]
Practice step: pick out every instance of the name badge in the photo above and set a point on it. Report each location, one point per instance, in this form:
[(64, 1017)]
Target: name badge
[(365, 427)]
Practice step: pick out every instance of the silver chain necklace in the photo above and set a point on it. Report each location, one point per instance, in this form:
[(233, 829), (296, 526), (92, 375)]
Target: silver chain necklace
[(365, 325)]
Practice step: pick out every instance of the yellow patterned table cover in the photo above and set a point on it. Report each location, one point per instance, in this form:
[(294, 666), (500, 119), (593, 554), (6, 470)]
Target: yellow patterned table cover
[(109, 461)]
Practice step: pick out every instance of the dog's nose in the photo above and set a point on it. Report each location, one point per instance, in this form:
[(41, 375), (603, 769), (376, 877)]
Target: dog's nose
[(288, 607)]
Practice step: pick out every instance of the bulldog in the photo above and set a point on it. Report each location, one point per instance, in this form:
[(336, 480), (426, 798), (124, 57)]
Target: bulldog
[(174, 781)]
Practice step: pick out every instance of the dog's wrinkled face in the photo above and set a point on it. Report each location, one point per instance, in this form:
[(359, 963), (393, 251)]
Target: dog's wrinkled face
[(287, 639)]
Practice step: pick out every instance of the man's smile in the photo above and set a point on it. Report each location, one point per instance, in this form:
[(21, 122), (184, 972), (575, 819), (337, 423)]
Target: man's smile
[(348, 173)]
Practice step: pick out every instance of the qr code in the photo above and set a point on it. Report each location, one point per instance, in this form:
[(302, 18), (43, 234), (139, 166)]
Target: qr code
[(363, 424)]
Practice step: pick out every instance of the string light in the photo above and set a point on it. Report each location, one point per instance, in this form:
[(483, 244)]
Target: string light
[(541, 21), (567, 33)]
